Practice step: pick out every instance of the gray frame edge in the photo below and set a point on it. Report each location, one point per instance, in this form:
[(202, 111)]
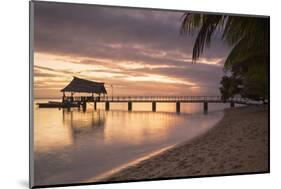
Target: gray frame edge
[(31, 120)]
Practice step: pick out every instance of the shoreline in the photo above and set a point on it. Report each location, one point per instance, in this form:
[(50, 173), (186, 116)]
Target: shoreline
[(126, 165), (237, 144)]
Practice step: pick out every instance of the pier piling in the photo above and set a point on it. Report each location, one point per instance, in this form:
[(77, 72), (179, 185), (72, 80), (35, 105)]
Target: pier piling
[(178, 106), (107, 105), (154, 106), (205, 107), (129, 106), (95, 105)]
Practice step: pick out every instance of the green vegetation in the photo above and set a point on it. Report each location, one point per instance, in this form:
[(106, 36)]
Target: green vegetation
[(247, 64)]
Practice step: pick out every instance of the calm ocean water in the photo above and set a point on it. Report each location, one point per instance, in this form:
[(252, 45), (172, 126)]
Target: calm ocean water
[(75, 146)]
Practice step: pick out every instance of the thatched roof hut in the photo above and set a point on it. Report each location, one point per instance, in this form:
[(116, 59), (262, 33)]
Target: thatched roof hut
[(84, 86)]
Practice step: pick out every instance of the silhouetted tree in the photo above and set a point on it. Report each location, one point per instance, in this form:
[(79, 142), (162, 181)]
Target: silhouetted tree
[(229, 87), (248, 58)]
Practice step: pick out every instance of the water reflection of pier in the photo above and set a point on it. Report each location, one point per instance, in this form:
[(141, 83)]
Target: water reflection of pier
[(84, 123)]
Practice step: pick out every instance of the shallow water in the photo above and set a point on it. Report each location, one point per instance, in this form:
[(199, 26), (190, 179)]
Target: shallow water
[(75, 146)]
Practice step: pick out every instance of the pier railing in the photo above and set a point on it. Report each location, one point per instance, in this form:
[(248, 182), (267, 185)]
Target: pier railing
[(169, 99), (211, 99)]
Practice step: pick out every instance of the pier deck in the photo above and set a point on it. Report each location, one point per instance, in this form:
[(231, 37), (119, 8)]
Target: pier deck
[(83, 100)]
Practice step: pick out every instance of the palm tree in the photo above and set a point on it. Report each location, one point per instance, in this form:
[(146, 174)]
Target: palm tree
[(248, 37)]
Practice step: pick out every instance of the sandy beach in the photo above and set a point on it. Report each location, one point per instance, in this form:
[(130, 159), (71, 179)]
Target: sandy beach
[(237, 144)]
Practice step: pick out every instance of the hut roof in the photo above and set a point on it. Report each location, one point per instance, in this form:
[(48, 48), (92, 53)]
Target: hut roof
[(84, 86)]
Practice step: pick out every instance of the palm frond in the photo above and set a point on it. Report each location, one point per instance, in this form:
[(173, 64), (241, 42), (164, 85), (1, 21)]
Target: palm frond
[(207, 24), (242, 51), (203, 39)]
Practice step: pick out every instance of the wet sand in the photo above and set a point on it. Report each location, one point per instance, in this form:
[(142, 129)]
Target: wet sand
[(237, 144)]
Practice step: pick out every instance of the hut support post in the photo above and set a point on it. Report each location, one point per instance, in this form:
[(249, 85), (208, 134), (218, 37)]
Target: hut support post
[(79, 105), (84, 106), (63, 97)]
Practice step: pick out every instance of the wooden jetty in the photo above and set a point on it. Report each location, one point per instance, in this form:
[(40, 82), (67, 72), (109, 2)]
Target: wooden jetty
[(154, 100), (177, 100), (98, 95)]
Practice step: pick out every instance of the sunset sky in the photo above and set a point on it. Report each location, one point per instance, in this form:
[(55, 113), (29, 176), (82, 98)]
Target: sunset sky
[(138, 51)]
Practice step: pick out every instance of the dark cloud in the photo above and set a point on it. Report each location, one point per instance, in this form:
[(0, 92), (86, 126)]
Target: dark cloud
[(89, 30), (151, 37)]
